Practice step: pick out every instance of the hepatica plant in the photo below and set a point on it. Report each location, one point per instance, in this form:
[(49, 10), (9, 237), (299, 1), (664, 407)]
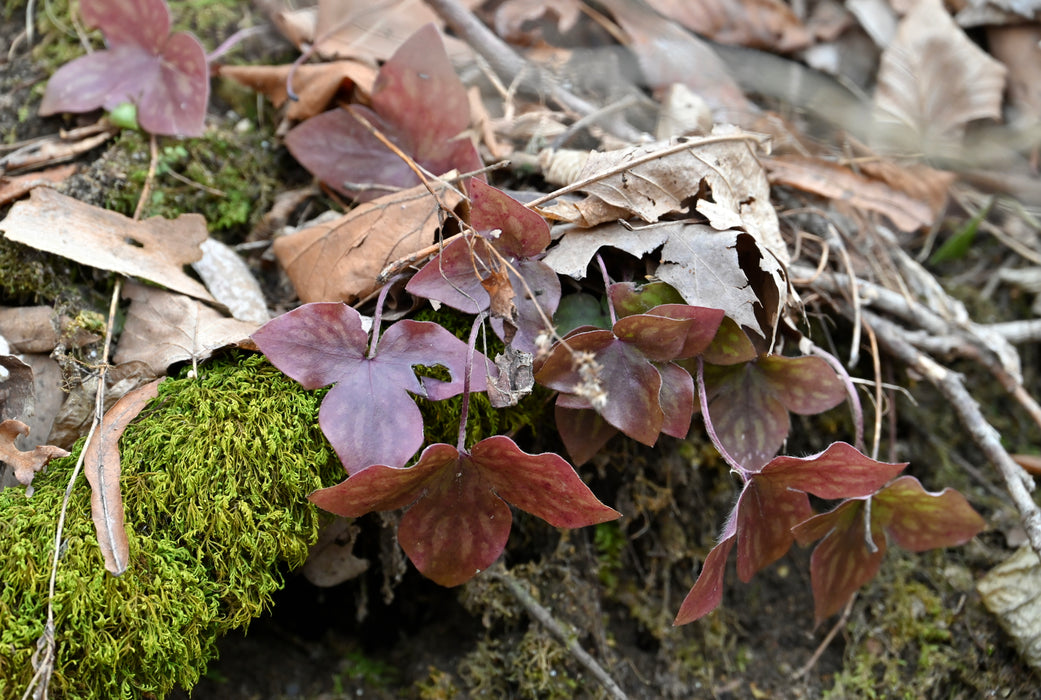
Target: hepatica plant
[(638, 362)]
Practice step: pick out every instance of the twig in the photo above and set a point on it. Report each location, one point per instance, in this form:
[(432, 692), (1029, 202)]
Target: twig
[(545, 617), (146, 190), (1018, 483), (826, 641), (509, 66)]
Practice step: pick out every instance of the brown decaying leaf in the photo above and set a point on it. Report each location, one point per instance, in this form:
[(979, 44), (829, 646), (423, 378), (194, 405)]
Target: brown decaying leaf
[(339, 260), (514, 18), (12, 188), (25, 464), (163, 328), (669, 54), (155, 249), (840, 184), (331, 560), (1019, 48), (32, 329), (1009, 591), (315, 84), (17, 391), (101, 466), (933, 81), (759, 24), (72, 420)]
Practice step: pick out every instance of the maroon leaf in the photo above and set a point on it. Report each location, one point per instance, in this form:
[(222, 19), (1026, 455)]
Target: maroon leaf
[(840, 471), (766, 512), (459, 521), (454, 276), (166, 76), (629, 377), (914, 518), (707, 591), (582, 430), (367, 416), (677, 399), (843, 561), (918, 520), (749, 403), (418, 103)]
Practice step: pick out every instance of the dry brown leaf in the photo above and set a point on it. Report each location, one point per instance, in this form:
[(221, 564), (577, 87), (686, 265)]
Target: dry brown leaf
[(17, 390), (72, 420), (315, 84), (12, 188), (1009, 591), (155, 249), (32, 329), (101, 466), (740, 190), (840, 184), (758, 24), (57, 149), (25, 464), (331, 560), (514, 18), (373, 31), (932, 81), (669, 54), (1019, 48), (231, 282), (163, 328), (339, 260)]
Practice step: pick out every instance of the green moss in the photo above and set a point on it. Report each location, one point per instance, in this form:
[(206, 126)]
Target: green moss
[(215, 477)]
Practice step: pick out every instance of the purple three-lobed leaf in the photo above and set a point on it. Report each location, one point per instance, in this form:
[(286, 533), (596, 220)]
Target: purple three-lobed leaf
[(853, 536), (368, 415), (458, 519), (772, 503), (418, 103), (166, 76)]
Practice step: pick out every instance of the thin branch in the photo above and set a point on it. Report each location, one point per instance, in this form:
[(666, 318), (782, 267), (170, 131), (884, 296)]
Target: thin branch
[(1018, 483), (545, 617)]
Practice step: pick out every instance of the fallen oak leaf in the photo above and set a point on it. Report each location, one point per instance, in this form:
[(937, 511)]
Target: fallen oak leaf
[(458, 519), (24, 463), (315, 84), (101, 466)]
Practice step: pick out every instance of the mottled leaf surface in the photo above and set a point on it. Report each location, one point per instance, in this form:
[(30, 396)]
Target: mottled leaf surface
[(165, 75), (459, 520)]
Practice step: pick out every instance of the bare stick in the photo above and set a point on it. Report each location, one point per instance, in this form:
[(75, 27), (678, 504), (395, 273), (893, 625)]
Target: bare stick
[(549, 622), (1018, 483), (509, 66)]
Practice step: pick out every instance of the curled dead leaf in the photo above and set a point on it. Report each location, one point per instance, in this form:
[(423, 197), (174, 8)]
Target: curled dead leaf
[(27, 463), (101, 465)]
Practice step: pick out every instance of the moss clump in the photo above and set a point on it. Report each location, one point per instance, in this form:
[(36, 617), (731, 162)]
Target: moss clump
[(216, 471)]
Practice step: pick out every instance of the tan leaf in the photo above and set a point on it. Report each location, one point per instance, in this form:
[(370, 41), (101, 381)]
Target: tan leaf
[(1019, 48), (315, 84), (101, 466), (73, 418), (231, 282), (932, 81), (32, 329), (339, 260), (838, 183), (666, 185), (163, 328), (155, 249), (758, 24), (331, 560), (12, 188), (500, 292), (17, 390), (1009, 591), (25, 464), (514, 18)]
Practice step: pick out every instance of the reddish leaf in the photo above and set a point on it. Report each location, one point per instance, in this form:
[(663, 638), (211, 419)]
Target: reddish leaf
[(707, 592), (749, 403), (840, 471), (582, 430), (367, 416), (165, 75), (454, 276), (418, 103), (842, 562), (766, 512), (918, 520), (459, 521), (677, 399)]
